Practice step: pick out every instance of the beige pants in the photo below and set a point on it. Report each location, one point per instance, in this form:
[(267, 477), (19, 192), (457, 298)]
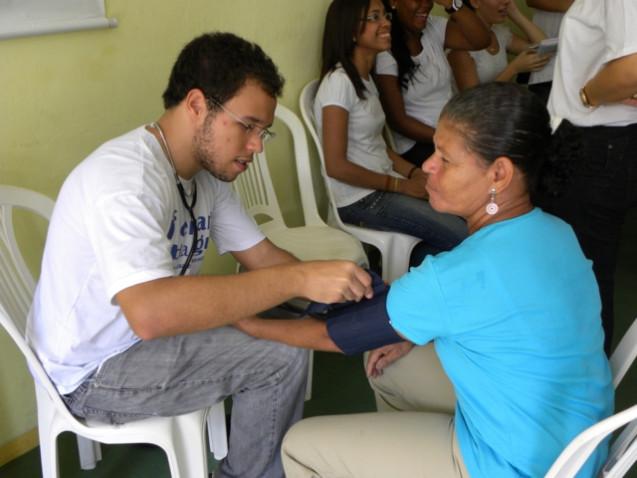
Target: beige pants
[(417, 442)]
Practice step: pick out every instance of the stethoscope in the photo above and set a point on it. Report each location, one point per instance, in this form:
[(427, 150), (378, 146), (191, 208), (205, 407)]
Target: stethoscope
[(182, 194)]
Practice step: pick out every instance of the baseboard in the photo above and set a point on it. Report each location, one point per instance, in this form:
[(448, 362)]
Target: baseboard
[(18, 446)]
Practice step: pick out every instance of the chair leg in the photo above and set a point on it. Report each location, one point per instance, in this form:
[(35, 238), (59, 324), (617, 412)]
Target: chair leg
[(90, 452), (187, 457), (217, 435), (310, 374), (49, 456)]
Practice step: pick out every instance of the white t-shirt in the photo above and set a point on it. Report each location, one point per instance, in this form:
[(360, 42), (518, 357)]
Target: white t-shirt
[(365, 144), (431, 86), (593, 32), (489, 66), (119, 221), (549, 23)]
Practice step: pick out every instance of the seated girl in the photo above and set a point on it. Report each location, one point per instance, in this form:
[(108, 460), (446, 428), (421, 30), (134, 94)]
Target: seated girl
[(510, 365), (414, 77), (372, 185), (492, 64)]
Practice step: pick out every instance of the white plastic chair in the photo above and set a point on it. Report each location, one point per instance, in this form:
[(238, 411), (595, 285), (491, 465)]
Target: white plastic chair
[(395, 248), (624, 354), (623, 451), (181, 437), (313, 241)]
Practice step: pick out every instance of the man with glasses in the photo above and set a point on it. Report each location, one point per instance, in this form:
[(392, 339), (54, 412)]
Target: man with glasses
[(132, 331)]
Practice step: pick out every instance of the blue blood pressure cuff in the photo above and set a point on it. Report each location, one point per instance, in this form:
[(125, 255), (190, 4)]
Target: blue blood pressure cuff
[(358, 326)]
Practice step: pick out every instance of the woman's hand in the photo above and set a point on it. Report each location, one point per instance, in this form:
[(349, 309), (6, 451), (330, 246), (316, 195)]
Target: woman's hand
[(383, 356), (529, 60), (416, 186), (513, 11)]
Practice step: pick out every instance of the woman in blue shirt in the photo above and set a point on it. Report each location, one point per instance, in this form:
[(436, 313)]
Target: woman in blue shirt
[(510, 365)]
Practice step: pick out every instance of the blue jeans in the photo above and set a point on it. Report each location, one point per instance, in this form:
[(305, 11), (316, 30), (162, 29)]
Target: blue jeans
[(176, 375), (387, 211)]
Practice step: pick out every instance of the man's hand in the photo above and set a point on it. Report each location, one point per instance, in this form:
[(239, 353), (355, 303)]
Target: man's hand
[(632, 101), (383, 356), (335, 281)]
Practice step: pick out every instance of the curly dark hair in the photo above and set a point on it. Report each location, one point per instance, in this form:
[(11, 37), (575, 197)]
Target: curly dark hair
[(219, 64), (504, 119)]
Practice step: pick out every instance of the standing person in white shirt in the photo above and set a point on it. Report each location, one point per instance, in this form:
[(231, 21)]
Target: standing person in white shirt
[(593, 105), (548, 16), (121, 320)]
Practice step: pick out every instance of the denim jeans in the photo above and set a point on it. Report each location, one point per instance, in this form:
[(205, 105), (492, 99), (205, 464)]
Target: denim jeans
[(400, 213), (602, 188), (176, 375)]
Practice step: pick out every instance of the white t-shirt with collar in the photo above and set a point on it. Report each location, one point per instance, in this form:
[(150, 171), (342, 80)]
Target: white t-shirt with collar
[(593, 32), (431, 86), (365, 144), (119, 221)]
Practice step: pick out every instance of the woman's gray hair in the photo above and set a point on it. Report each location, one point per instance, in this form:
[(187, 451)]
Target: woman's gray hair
[(503, 119)]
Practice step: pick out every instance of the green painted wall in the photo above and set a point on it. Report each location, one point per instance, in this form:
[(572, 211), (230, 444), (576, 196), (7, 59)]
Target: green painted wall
[(62, 95)]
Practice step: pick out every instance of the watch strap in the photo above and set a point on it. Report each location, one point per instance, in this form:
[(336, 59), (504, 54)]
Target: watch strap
[(455, 6)]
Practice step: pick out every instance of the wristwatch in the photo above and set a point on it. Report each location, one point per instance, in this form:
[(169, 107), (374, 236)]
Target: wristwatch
[(455, 6)]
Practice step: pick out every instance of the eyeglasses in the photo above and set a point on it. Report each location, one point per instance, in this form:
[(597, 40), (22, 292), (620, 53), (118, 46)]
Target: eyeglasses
[(376, 17), (264, 134)]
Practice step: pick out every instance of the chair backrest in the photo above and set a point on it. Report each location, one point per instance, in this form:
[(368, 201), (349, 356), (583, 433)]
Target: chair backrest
[(17, 284), (624, 355), (577, 452), (255, 187), (306, 102), (388, 134), (311, 215)]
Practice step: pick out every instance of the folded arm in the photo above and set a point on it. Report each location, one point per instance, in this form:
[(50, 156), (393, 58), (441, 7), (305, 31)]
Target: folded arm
[(615, 82)]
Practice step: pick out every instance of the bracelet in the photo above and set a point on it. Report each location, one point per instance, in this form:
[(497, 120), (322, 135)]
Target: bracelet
[(584, 98), (387, 183), (396, 184), (411, 171)]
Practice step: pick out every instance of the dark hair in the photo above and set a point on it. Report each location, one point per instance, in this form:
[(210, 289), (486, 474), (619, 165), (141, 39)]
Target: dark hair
[(505, 119), (219, 64), (342, 26), (406, 66)]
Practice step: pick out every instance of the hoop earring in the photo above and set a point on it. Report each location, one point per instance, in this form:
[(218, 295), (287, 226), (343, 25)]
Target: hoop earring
[(492, 208)]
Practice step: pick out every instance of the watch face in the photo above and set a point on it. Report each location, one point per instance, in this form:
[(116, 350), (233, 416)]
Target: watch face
[(457, 4)]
